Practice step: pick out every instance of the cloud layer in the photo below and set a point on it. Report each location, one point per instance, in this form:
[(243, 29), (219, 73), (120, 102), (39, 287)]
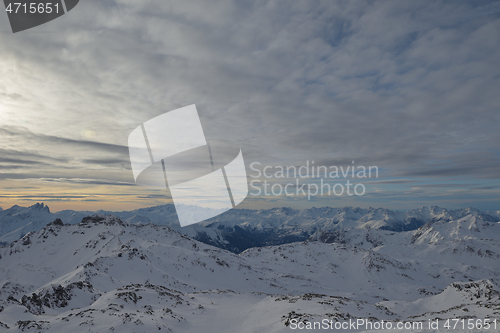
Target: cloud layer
[(411, 87)]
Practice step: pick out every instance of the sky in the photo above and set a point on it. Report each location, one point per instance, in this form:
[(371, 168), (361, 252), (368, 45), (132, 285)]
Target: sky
[(410, 87)]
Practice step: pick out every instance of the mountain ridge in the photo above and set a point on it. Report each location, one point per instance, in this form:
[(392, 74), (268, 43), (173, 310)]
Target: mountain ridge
[(104, 274), (239, 229)]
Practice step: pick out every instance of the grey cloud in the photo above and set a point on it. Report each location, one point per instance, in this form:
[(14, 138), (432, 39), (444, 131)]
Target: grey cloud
[(122, 163), (390, 181), (40, 154), (47, 197), (87, 181), (24, 134), (444, 185), (486, 187), (401, 85), (17, 161), (155, 196)]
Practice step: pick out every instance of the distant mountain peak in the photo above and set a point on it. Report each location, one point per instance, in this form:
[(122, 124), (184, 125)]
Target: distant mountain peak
[(39, 206)]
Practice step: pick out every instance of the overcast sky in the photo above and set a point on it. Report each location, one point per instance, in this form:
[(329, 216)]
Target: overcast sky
[(409, 86)]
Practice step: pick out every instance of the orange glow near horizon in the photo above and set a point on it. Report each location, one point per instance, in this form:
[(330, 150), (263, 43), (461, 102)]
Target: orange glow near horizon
[(62, 196)]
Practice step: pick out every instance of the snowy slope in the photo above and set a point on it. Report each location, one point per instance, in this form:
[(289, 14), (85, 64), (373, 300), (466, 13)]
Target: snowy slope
[(16, 221), (104, 274)]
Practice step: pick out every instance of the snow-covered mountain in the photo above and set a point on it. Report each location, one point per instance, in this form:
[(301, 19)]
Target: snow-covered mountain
[(104, 274), (16, 221), (240, 229)]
